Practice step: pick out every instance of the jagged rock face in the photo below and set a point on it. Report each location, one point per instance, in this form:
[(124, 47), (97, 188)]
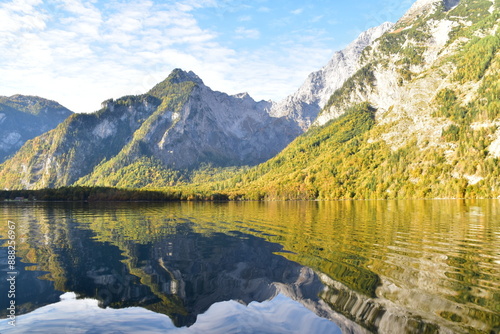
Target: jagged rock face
[(421, 6), (25, 117), (304, 105), (418, 7), (225, 130), (213, 127)]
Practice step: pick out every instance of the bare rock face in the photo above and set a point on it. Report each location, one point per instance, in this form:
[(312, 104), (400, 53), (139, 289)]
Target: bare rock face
[(406, 102), (305, 104), (213, 127)]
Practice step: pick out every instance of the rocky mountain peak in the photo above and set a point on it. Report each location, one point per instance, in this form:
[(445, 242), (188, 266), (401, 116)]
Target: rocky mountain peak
[(23, 117), (305, 104), (242, 96), (368, 36), (178, 76)]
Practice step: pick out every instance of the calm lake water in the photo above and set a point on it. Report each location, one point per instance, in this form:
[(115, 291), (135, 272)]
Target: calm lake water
[(279, 267)]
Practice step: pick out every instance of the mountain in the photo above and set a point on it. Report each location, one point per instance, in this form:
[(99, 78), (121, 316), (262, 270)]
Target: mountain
[(181, 124), (420, 118), (304, 105), (151, 139), (207, 128), (25, 117)]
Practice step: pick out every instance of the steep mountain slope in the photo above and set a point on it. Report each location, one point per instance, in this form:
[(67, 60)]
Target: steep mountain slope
[(305, 104), (25, 117), (151, 139), (420, 118)]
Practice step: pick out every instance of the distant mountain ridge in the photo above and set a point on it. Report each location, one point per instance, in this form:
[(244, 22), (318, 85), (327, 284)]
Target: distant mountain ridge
[(25, 117)]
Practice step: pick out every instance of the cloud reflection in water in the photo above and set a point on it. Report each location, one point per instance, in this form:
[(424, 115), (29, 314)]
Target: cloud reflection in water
[(278, 315)]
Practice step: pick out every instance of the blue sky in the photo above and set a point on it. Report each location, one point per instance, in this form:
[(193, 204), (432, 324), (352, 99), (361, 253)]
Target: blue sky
[(81, 53)]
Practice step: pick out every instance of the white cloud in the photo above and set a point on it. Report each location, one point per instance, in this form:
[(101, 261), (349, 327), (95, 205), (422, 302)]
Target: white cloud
[(317, 18), (242, 32), (79, 53), (85, 316), (297, 11), (20, 15), (25, 6), (245, 18)]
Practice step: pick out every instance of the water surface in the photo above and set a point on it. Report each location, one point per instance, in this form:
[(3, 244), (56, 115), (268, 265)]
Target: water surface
[(275, 267)]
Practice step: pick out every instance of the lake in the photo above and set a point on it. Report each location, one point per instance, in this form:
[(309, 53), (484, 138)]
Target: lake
[(419, 266)]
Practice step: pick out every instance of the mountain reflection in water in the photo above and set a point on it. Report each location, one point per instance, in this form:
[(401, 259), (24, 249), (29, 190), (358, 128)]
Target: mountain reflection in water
[(252, 267)]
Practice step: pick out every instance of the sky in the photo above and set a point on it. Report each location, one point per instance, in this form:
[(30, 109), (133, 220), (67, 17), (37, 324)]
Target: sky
[(80, 53)]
